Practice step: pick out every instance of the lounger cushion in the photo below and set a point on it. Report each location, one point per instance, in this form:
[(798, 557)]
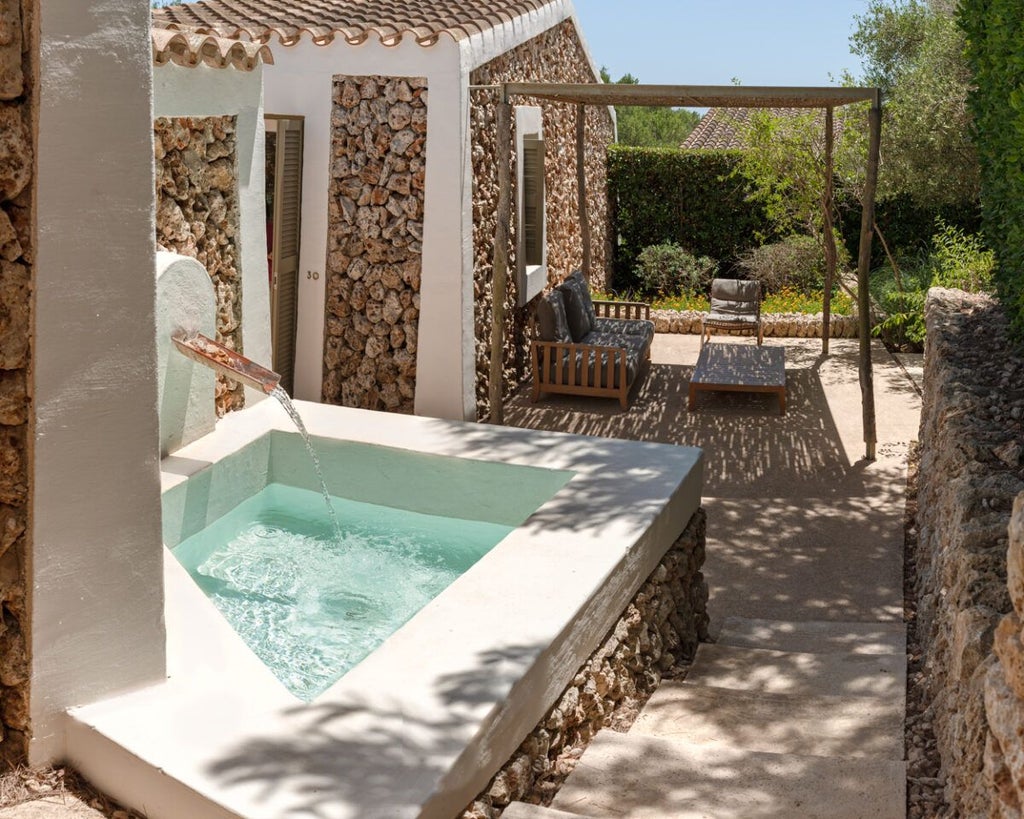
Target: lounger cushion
[(629, 327), (552, 323), (579, 307)]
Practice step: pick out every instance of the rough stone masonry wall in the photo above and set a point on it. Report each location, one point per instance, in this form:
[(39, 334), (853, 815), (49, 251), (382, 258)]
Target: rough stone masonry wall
[(555, 56), (971, 471), (197, 216), (659, 629), (375, 241), (17, 84)]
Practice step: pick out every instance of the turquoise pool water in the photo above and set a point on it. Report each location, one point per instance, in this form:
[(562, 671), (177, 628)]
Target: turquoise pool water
[(312, 607)]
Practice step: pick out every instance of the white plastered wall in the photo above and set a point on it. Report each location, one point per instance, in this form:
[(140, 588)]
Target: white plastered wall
[(202, 91), (301, 83), (95, 568)]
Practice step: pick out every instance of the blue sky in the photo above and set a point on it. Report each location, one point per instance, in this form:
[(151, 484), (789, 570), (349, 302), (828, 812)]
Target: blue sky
[(708, 42)]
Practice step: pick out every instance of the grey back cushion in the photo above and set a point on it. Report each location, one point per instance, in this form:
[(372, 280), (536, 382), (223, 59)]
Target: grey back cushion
[(735, 297), (579, 308), (551, 319)]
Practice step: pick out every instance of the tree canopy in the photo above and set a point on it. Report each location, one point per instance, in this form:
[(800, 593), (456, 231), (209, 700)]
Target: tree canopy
[(914, 51), (651, 126)]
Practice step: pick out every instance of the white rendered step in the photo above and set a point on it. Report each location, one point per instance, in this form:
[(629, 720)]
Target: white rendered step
[(852, 727), (817, 636), (635, 777), (784, 672)]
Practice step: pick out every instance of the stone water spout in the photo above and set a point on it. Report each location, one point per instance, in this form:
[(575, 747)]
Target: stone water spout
[(226, 362)]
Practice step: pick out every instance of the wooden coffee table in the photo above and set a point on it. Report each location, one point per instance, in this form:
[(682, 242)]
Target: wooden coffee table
[(740, 368)]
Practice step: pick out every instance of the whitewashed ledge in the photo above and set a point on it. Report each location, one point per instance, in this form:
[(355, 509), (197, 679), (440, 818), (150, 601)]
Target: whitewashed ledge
[(778, 325)]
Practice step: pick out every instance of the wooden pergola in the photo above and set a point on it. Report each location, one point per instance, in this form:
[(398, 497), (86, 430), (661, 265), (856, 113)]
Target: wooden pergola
[(690, 96)]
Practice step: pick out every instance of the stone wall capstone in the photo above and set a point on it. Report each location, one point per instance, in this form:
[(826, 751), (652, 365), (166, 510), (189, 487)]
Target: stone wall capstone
[(659, 630), (17, 139), (971, 470), (375, 241), (197, 216), (557, 55)]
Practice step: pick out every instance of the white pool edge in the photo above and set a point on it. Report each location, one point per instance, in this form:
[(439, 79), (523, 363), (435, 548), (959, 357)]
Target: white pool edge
[(418, 727)]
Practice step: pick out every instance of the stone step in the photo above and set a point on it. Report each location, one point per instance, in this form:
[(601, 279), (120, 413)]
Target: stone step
[(521, 810), (786, 672), (626, 776), (818, 636), (853, 727)]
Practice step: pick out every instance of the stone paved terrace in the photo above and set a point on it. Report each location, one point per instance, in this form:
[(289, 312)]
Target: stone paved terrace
[(804, 553), (800, 526)]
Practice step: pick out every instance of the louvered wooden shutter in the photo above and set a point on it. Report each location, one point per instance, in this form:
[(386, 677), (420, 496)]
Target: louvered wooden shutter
[(287, 223), (533, 199)]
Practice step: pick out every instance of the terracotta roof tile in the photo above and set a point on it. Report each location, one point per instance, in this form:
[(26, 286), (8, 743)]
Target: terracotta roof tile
[(722, 128), (190, 49), (353, 20)]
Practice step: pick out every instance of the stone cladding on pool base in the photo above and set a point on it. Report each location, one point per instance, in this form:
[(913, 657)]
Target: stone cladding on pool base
[(660, 628)]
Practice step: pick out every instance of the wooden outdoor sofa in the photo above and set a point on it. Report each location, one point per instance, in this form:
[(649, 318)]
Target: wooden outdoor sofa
[(587, 347)]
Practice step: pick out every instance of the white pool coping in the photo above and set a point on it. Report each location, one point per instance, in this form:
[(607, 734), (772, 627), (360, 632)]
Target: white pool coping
[(419, 727)]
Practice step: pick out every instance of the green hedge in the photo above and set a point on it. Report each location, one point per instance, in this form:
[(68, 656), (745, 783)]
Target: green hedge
[(995, 31), (907, 226), (691, 198)]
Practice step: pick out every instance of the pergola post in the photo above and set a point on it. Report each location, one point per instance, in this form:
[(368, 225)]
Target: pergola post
[(501, 253), (581, 184), (863, 269), (830, 237)]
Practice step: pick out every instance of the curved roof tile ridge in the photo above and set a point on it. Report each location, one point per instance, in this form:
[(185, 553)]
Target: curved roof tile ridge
[(189, 49), (354, 20)]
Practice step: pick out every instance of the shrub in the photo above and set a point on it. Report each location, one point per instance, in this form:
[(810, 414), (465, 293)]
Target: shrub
[(960, 260), (667, 269), (796, 263), (956, 259)]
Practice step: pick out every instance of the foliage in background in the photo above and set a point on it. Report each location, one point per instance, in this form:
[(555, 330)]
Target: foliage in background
[(784, 162), (955, 259), (651, 126), (667, 269), (785, 301), (995, 31), (794, 263), (914, 51), (690, 198)]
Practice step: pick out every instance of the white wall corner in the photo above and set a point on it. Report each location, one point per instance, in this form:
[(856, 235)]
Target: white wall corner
[(96, 594)]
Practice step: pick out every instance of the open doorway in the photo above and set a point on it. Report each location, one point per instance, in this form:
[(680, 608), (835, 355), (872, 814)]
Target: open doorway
[(284, 211)]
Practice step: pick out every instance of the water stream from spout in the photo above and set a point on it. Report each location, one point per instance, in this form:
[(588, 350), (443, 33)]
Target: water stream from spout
[(285, 401)]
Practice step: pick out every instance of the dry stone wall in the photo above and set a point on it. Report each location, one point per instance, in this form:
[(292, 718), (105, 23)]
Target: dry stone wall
[(555, 56), (197, 216), (17, 74), (774, 325), (375, 241), (658, 631), (971, 472)]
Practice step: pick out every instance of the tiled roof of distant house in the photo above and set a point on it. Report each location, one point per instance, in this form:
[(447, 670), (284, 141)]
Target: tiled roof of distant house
[(189, 49), (722, 128), (353, 20)]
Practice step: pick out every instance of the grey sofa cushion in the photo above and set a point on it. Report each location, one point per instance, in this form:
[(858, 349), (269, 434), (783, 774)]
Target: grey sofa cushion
[(579, 308), (552, 323), (629, 327)]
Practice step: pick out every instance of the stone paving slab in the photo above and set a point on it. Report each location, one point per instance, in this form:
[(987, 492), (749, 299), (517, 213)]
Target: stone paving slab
[(786, 672), (633, 777), (819, 636), (854, 727)]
